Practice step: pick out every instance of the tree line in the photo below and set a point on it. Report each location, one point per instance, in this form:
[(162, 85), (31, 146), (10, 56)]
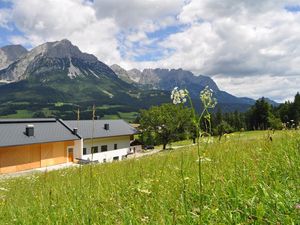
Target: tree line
[(167, 122)]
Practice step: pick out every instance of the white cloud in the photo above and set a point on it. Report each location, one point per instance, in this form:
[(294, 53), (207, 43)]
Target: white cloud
[(243, 40), (5, 18), (76, 20), (279, 88), (135, 13), (233, 41)]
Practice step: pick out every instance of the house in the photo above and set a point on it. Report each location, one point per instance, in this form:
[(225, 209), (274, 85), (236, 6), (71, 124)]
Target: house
[(34, 143), (103, 140)]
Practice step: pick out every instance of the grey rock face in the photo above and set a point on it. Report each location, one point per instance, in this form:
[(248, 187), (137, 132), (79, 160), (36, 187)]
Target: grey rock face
[(135, 75), (11, 53), (166, 79), (60, 55), (122, 73)]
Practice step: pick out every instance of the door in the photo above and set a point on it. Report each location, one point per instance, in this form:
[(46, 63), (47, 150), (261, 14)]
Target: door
[(70, 154)]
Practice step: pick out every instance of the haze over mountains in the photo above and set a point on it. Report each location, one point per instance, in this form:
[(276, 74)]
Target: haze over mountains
[(59, 72)]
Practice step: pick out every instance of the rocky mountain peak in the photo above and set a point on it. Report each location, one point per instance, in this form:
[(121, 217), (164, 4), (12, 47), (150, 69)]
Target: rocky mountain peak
[(122, 73), (14, 52), (10, 53), (116, 67), (62, 49), (52, 58)]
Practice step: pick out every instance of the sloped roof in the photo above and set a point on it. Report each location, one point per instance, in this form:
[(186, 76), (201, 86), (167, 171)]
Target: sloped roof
[(12, 131), (116, 128)]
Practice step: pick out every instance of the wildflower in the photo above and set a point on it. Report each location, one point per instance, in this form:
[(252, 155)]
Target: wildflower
[(145, 219), (3, 189), (297, 206), (204, 159), (179, 96), (206, 96), (144, 191), (208, 140)]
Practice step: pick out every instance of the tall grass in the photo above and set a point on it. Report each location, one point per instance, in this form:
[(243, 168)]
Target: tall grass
[(248, 180)]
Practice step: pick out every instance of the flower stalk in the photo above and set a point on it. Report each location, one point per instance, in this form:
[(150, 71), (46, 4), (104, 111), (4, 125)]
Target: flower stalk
[(181, 96)]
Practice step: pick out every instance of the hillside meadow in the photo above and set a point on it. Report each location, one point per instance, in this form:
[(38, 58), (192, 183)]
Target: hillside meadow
[(247, 178)]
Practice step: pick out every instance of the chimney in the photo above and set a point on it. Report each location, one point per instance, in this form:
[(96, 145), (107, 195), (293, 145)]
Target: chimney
[(29, 130), (106, 126), (75, 130)]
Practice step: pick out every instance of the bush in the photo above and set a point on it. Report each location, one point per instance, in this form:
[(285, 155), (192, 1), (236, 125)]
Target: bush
[(223, 128), (275, 123), (39, 114)]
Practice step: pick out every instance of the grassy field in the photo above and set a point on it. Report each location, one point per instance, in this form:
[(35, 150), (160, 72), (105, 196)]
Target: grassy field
[(246, 179), (20, 114)]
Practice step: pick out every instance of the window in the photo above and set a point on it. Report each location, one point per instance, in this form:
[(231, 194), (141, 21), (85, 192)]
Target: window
[(103, 148), (115, 146), (95, 149), (84, 151), (116, 158)]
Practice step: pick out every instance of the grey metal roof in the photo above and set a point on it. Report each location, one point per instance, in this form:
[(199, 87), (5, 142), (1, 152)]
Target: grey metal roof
[(12, 131), (116, 128)]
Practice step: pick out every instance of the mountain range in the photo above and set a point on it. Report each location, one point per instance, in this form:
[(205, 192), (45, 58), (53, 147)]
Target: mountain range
[(56, 78), (167, 79)]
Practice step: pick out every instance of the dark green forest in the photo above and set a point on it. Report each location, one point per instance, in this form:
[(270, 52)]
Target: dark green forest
[(159, 127), (260, 116)]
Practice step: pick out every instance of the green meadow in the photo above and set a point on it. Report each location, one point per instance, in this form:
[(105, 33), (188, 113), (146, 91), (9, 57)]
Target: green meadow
[(247, 178)]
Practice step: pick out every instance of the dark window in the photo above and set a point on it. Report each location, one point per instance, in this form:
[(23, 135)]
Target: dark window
[(116, 158), (103, 148), (84, 151), (115, 146), (95, 149)]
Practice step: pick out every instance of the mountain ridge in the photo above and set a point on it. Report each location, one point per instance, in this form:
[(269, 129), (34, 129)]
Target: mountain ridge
[(167, 79), (57, 72), (60, 72)]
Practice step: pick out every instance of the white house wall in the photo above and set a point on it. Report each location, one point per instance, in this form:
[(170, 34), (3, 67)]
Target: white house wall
[(78, 145), (123, 145)]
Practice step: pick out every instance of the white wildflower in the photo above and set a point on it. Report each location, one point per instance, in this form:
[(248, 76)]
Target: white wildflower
[(206, 96), (179, 96), (208, 140), (3, 189), (204, 159), (144, 191), (186, 178)]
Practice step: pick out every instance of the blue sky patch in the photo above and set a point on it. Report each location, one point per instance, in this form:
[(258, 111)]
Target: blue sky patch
[(140, 51), (292, 8), (5, 34), (165, 32), (5, 4), (152, 51)]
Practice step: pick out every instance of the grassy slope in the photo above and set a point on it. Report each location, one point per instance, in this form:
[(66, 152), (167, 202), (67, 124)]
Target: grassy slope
[(249, 180)]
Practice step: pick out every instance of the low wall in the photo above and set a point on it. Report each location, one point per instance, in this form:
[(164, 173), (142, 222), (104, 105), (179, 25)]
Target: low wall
[(107, 156)]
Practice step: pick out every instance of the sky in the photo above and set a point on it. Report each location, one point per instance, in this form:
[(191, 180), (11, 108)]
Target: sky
[(249, 47)]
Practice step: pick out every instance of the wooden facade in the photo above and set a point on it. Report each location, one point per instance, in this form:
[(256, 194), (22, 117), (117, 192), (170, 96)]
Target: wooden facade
[(19, 158)]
